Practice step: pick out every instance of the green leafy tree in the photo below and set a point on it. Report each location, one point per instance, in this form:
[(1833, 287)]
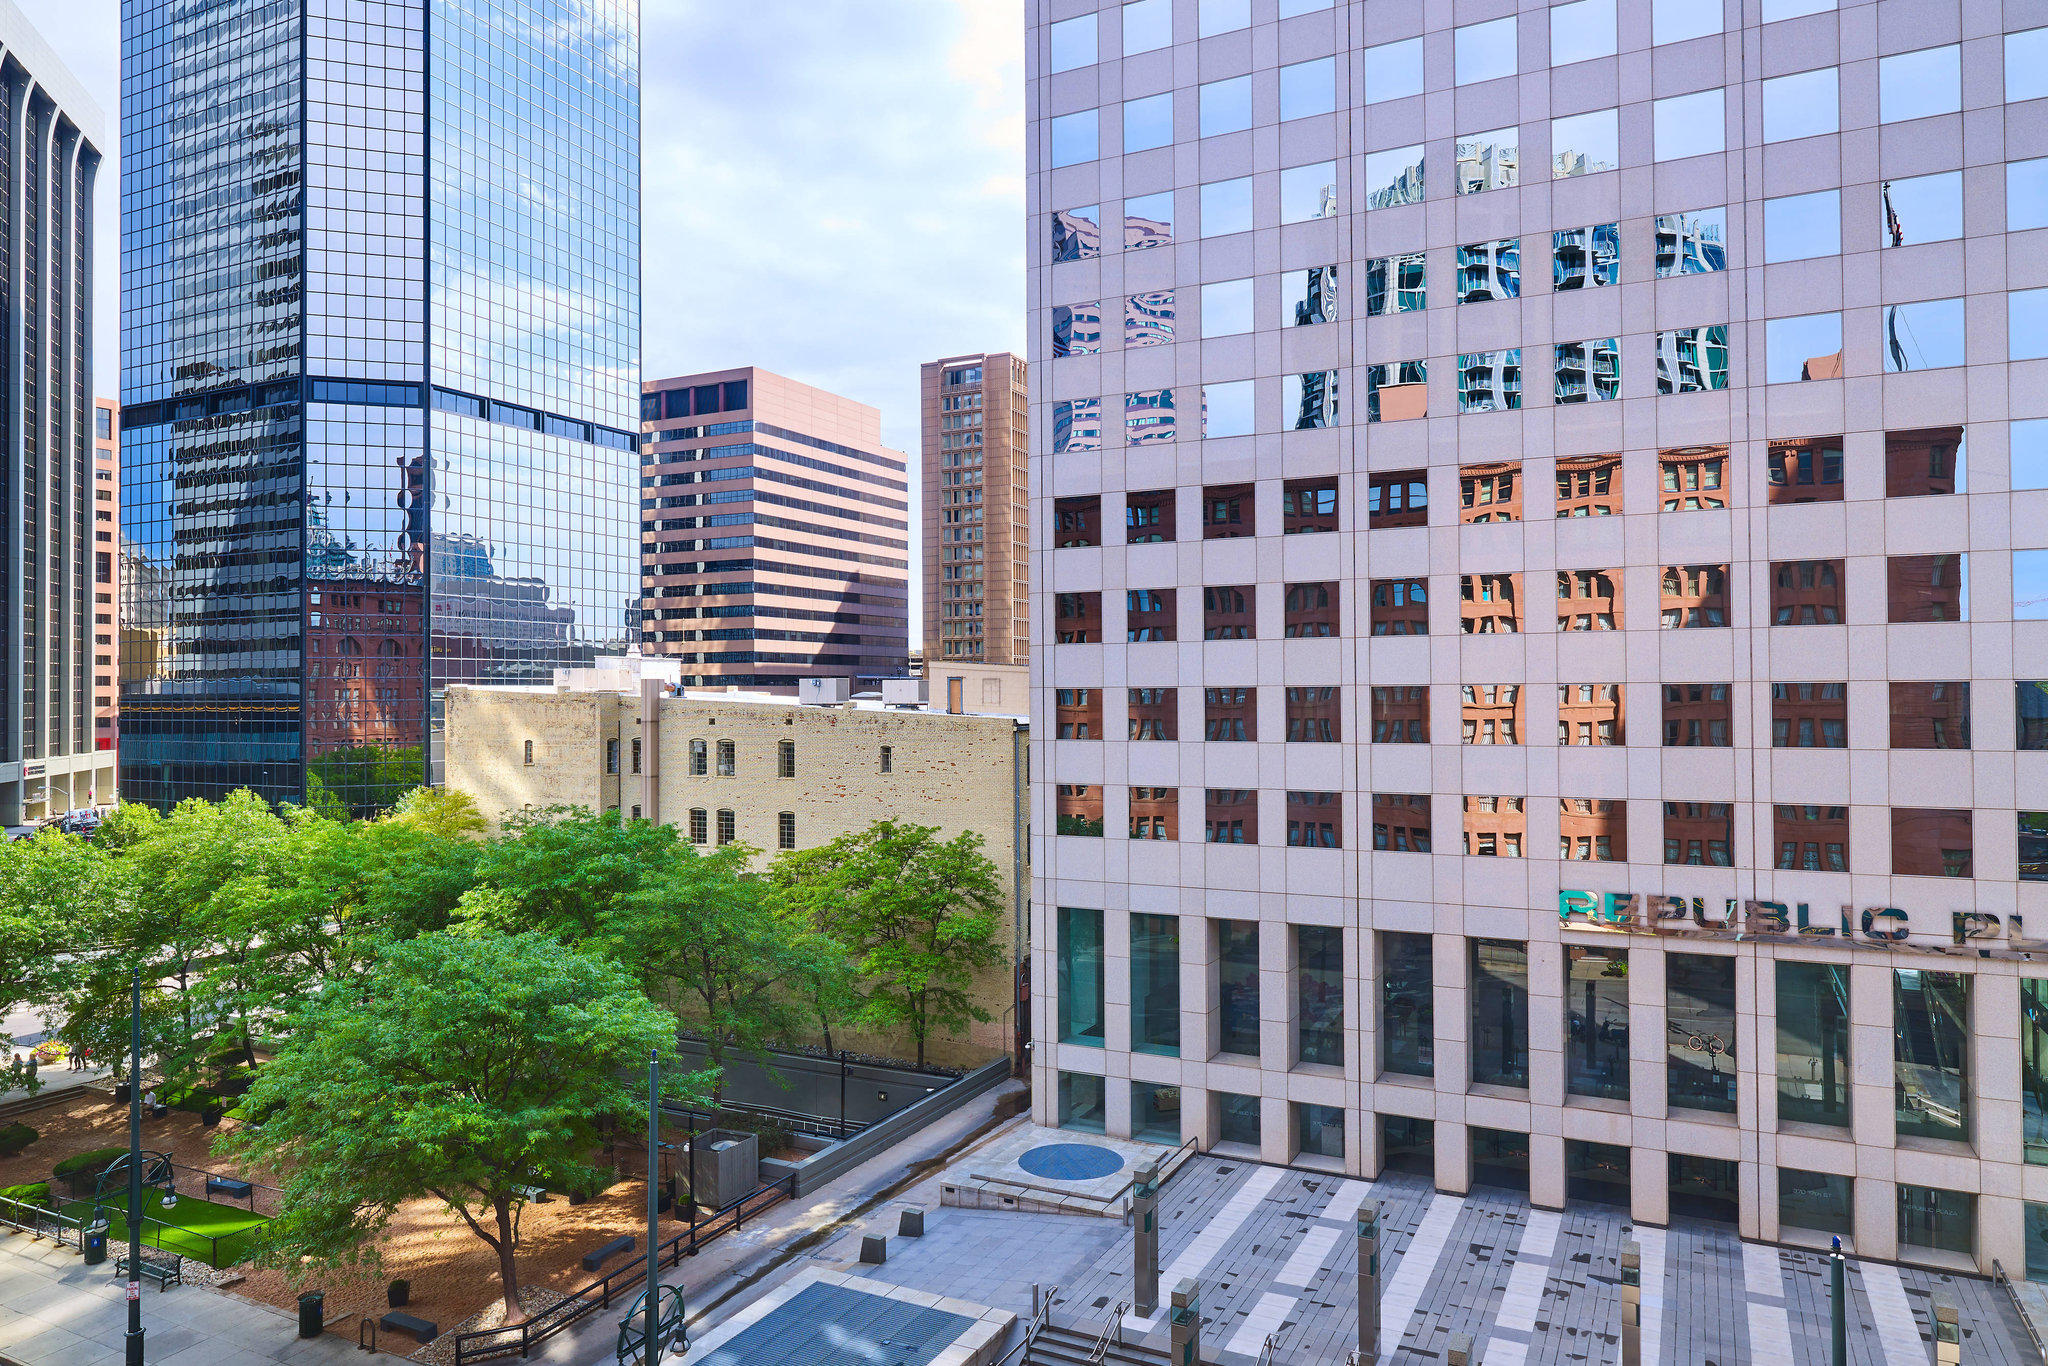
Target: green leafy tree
[(57, 896), (567, 872), (707, 929), (921, 915), (459, 1066)]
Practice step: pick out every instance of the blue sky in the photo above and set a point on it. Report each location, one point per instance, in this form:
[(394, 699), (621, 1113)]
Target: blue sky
[(833, 188)]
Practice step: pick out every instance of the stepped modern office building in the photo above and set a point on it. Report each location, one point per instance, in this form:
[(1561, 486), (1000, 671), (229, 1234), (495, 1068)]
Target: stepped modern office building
[(1717, 884), (381, 371)]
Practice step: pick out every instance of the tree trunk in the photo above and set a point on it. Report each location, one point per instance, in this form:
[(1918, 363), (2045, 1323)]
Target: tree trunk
[(508, 1268)]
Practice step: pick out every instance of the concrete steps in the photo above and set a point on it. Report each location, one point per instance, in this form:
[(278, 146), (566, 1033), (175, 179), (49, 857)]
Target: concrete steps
[(1057, 1346)]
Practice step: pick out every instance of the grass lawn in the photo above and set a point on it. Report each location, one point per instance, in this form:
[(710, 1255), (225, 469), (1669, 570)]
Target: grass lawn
[(219, 1235)]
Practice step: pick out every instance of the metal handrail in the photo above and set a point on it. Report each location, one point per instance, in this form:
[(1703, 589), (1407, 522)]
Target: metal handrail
[(1039, 1318), (1113, 1331), (1998, 1277), (1266, 1349)]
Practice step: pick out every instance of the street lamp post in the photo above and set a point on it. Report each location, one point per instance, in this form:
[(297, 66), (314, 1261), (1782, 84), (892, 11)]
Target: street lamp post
[(134, 1339), (653, 1201)]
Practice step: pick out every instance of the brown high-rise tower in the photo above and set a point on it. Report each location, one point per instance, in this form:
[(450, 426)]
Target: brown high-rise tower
[(977, 584)]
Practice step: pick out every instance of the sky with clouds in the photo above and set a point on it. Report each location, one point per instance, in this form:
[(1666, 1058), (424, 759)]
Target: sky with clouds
[(833, 188)]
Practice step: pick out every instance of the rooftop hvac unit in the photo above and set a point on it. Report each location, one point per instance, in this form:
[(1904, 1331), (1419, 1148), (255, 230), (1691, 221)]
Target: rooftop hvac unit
[(824, 691), (903, 692)]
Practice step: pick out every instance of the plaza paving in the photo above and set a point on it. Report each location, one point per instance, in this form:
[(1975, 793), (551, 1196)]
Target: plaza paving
[(1273, 1251)]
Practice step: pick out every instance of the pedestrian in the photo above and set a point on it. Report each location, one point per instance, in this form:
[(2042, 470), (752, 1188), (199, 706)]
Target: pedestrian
[(149, 1102)]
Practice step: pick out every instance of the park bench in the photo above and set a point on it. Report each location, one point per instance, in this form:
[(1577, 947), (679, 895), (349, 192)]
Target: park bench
[(165, 1268), (395, 1322), (603, 1253), (228, 1186), (534, 1195)]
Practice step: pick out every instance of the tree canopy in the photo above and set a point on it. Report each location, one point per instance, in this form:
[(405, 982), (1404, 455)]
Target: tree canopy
[(921, 916), (461, 1066)]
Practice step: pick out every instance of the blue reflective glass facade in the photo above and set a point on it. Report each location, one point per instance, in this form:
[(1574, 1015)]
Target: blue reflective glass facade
[(381, 340)]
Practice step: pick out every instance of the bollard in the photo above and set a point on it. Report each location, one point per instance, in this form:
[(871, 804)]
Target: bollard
[(874, 1249), (1838, 1306), (1631, 1304), (910, 1224), (1948, 1333), (1462, 1352), (1184, 1324), (1368, 1284), (1145, 1239)]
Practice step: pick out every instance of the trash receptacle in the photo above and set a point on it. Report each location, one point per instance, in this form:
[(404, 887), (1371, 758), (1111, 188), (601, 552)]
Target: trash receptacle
[(95, 1246), (312, 1313)]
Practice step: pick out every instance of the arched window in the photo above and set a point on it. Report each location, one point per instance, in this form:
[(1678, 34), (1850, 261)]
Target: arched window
[(785, 829), (698, 758), (725, 759), (727, 831), (699, 827), (785, 761), (390, 649)]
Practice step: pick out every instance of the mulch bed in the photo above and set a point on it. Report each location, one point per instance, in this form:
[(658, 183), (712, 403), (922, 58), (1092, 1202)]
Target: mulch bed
[(454, 1274)]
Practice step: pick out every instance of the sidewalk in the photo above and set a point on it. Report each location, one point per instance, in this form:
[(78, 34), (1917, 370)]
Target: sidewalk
[(57, 1311)]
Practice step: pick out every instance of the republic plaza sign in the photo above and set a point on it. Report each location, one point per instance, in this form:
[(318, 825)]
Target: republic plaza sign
[(1978, 934)]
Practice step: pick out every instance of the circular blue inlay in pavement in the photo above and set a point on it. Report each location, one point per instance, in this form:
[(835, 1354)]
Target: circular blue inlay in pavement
[(1070, 1161)]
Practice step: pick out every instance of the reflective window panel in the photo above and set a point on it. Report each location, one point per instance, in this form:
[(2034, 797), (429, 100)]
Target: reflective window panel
[(1699, 1017), (1407, 1000), (1319, 995), (1931, 1053), (1819, 1201), (1693, 243), (1596, 1022), (1080, 975), (1082, 1107), (1155, 984), (1237, 987), (1813, 1044), (1395, 284), (1499, 995)]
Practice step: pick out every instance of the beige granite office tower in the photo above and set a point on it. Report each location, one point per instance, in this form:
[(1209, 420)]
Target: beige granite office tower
[(1540, 600), (977, 581), (775, 532), (50, 137)]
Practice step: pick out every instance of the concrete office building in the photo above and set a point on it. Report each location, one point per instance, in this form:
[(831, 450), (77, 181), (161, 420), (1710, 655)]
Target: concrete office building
[(768, 771), (380, 356), (50, 138), (1721, 889), (977, 582), (774, 532)]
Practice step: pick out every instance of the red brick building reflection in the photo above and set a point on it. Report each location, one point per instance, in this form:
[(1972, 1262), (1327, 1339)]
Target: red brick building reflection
[(1591, 714), (1930, 715), (1490, 604), (1496, 827), (1931, 842), (1699, 833), (1492, 714), (1694, 595), (1692, 478), (1806, 593), (1588, 485), (1592, 830), (1490, 492), (1587, 601), (1928, 460), (1400, 822)]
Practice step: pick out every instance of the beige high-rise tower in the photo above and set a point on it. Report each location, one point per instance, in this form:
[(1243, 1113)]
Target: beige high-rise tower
[(977, 583)]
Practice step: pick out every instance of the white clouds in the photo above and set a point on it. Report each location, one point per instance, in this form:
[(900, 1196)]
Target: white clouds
[(834, 189)]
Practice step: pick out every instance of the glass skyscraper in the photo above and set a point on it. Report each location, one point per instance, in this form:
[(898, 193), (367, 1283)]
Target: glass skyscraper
[(381, 366)]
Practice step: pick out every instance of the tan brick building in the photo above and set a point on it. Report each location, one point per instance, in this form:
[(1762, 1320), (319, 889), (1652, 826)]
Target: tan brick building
[(763, 770), (976, 440)]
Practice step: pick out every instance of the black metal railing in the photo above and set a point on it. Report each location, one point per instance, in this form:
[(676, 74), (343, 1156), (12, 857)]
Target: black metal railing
[(487, 1344), (38, 1221)]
